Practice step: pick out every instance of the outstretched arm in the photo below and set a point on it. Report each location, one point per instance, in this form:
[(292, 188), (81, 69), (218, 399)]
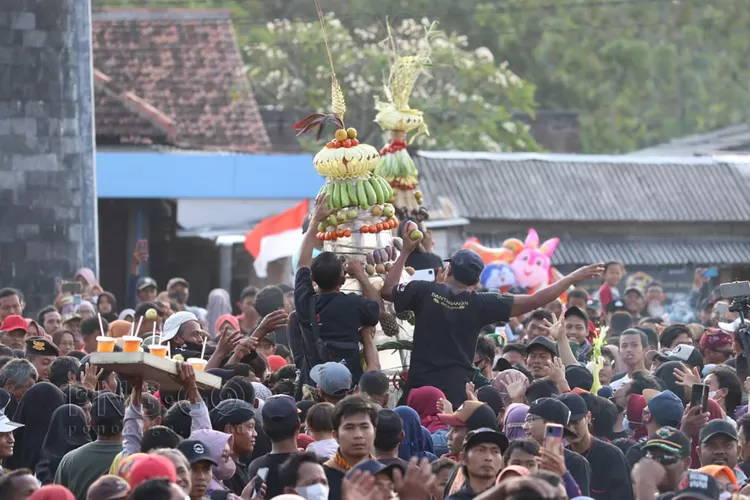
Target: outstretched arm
[(526, 303), (319, 214)]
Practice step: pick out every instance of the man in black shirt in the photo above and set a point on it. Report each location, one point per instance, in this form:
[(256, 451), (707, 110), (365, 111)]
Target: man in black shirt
[(237, 417), (343, 320), (610, 472), (281, 425), (482, 460), (389, 434), (450, 315)]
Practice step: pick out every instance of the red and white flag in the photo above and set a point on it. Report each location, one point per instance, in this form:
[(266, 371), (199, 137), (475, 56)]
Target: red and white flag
[(276, 237)]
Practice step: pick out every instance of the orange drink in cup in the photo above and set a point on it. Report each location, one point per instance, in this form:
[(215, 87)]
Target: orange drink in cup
[(158, 350), (131, 343), (198, 364), (105, 344)]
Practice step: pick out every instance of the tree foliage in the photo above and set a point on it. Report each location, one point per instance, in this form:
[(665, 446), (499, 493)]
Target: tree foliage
[(467, 96)]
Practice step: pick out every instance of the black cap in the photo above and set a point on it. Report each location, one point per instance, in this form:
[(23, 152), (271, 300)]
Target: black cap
[(469, 262), (697, 486), (716, 427), (195, 451), (616, 305), (552, 410), (480, 436), (280, 409), (578, 312), (146, 282), (670, 440), (41, 347), (576, 404), (374, 468), (544, 343), (231, 412), (579, 376), (519, 348), (107, 406)]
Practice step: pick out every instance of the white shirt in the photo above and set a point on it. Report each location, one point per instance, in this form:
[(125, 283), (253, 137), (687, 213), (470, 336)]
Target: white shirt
[(324, 449)]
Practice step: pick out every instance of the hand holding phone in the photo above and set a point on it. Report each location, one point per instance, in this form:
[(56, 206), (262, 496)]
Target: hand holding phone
[(699, 397), (71, 288), (141, 248), (262, 477), (423, 275), (553, 434)]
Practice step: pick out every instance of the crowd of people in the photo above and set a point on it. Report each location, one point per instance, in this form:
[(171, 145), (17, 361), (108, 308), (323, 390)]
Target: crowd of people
[(303, 410)]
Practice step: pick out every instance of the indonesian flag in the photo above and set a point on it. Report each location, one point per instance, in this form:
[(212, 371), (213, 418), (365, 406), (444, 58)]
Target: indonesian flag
[(276, 237)]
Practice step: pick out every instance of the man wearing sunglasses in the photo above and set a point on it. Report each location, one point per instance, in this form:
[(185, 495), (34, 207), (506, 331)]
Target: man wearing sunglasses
[(671, 449)]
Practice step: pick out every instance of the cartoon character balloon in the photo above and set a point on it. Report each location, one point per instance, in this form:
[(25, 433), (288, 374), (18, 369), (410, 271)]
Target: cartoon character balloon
[(526, 264), (532, 264)]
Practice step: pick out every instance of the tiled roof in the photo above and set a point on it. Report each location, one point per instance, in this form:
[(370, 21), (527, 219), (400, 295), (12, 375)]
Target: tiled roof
[(734, 138), (558, 187), (644, 251), (186, 65)]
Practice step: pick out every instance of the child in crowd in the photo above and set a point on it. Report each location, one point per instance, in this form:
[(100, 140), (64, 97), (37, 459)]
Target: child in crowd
[(613, 274), (320, 428)]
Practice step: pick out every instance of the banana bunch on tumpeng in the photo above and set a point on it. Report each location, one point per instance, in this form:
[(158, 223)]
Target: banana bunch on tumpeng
[(362, 193)]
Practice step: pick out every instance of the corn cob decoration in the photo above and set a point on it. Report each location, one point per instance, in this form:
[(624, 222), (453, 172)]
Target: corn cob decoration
[(597, 360), (395, 116)]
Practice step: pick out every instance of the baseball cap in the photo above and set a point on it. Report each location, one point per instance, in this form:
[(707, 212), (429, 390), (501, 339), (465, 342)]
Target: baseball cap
[(14, 322), (717, 340), (7, 425), (579, 376), (108, 488), (177, 281), (152, 467), (469, 263), (174, 322), (665, 406), (716, 427), (684, 353), (146, 282), (544, 343), (595, 304), (733, 326), (195, 451), (670, 440), (332, 378), (636, 290), (716, 471), (577, 312), (485, 435), (471, 414), (616, 305), (41, 347), (697, 486), (107, 406), (280, 409), (576, 404), (375, 468), (552, 410)]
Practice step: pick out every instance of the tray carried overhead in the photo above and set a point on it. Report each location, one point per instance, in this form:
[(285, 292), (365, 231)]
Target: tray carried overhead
[(150, 368)]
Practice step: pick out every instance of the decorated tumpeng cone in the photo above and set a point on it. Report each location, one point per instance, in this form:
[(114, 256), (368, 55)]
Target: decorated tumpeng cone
[(395, 116)]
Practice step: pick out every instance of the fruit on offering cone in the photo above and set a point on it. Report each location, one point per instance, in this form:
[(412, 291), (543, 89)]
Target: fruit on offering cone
[(389, 210), (351, 214), (363, 193), (389, 325), (415, 235), (377, 211), (351, 132), (398, 243), (410, 271), (380, 268), (370, 269), (345, 157), (333, 220), (151, 314)]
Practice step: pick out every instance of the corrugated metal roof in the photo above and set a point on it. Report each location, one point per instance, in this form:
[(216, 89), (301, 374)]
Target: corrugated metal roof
[(558, 187), (733, 138), (644, 251)]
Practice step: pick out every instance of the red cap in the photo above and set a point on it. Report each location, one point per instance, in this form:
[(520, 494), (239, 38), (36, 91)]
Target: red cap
[(14, 322), (52, 492), (152, 467), (276, 362)]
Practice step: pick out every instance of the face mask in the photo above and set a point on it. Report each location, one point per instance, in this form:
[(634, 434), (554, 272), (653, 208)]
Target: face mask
[(179, 297), (713, 395), (313, 492), (225, 470)]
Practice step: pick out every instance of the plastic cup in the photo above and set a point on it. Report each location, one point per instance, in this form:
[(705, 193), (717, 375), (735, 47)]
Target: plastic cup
[(160, 351), (105, 344), (198, 364), (131, 344)]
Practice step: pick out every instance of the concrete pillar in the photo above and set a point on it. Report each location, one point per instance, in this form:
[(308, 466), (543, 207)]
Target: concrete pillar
[(48, 222)]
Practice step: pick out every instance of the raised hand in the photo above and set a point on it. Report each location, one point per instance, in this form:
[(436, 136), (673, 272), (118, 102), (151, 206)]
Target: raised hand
[(587, 272)]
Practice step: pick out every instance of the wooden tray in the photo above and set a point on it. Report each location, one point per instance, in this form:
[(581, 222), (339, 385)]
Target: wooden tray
[(150, 368)]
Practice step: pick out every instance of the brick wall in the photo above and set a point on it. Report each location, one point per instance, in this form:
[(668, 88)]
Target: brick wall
[(47, 184)]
